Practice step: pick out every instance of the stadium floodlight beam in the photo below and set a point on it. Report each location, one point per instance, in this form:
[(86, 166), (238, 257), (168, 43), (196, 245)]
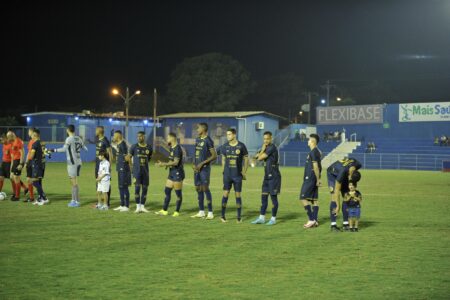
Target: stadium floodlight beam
[(127, 98), (322, 101), (338, 99)]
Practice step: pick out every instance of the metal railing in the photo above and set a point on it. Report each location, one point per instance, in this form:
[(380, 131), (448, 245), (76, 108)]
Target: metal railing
[(396, 161)]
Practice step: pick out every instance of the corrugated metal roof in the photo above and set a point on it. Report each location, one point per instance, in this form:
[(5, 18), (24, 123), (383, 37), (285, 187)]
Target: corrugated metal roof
[(231, 114)]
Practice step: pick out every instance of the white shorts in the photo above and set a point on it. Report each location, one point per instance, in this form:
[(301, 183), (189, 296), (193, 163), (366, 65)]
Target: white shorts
[(103, 186), (73, 170)]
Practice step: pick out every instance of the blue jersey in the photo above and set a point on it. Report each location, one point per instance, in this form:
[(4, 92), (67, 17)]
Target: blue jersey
[(202, 149), (176, 152), (141, 156), (101, 145), (122, 151), (234, 157), (314, 156), (271, 169), (351, 202), (341, 168), (38, 157)]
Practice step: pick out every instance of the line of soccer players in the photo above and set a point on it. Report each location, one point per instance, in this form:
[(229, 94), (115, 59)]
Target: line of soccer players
[(133, 161)]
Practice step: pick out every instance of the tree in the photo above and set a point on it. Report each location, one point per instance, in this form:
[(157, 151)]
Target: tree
[(209, 82)]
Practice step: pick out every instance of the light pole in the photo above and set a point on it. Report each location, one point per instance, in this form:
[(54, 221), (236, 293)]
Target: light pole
[(127, 100)]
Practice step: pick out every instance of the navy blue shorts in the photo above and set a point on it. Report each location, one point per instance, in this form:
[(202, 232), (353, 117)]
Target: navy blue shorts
[(232, 181), (354, 212), (29, 170), (37, 171), (202, 177), (272, 186), (176, 175), (332, 183), (142, 178), (309, 190), (124, 178)]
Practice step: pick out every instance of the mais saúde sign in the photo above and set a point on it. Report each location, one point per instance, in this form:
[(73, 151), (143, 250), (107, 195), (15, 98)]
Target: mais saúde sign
[(424, 112), (356, 114)]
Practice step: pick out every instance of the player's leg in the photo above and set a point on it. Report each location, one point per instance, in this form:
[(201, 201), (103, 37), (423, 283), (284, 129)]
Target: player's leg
[(37, 173), (145, 183), (137, 196), (30, 183), (264, 203), (2, 180), (99, 197), (105, 198), (274, 189), (200, 196), (205, 174), (333, 204), (226, 193), (178, 186), (345, 215), (167, 195), (237, 184)]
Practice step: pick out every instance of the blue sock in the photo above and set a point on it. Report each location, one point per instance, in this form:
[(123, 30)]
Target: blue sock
[(264, 203), (39, 189), (122, 196), (315, 212), (179, 199), (201, 200), (144, 194), (224, 205), (309, 212), (127, 196), (274, 205), (332, 215), (345, 212), (239, 207), (137, 193), (168, 192), (209, 200)]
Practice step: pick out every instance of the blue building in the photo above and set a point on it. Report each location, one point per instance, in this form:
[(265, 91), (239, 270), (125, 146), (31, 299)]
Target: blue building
[(53, 124), (250, 126)]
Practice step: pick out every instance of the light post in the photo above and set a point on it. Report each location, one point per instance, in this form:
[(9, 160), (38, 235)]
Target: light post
[(127, 100)]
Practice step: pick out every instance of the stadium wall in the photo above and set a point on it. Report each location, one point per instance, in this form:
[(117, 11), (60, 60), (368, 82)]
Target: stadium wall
[(391, 127)]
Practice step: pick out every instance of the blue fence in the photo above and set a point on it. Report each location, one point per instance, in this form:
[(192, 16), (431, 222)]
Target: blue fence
[(395, 161)]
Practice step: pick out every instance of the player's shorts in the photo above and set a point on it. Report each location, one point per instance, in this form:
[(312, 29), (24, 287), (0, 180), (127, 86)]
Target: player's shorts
[(15, 166), (272, 186), (73, 170), (29, 169), (331, 177), (309, 190), (354, 212), (37, 171), (176, 175), (5, 169), (141, 178), (124, 178), (202, 177), (232, 181), (104, 186)]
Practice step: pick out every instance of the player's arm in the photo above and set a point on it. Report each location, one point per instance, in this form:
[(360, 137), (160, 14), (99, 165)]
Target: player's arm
[(213, 157), (223, 164), (317, 172), (262, 155), (110, 153), (173, 163), (63, 148), (350, 172), (32, 153), (245, 166), (22, 156)]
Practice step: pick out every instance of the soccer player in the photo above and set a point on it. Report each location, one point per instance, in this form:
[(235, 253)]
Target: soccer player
[(28, 166), (339, 174), (5, 169), (36, 158), (234, 169), (272, 179), (141, 153), (123, 171), (204, 155), (176, 175), (17, 156), (309, 194), (353, 199), (103, 181), (102, 144), (72, 147)]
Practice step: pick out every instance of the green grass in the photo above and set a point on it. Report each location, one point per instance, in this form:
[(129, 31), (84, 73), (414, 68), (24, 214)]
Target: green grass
[(401, 252)]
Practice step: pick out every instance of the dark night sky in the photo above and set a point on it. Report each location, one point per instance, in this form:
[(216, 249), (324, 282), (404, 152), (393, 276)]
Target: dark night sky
[(73, 52)]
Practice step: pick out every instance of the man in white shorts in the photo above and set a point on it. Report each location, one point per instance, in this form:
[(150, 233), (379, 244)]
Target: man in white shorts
[(103, 181), (72, 147)]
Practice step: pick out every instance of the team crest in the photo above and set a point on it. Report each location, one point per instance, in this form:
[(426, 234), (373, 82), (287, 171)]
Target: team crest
[(202, 143), (147, 151), (238, 151)]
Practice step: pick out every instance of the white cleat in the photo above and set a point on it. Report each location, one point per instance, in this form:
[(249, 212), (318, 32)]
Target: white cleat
[(42, 202), (310, 224), (124, 209), (210, 216), (199, 215), (119, 208), (144, 210)]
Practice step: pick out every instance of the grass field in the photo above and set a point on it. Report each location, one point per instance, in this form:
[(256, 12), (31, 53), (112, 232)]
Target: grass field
[(401, 252)]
